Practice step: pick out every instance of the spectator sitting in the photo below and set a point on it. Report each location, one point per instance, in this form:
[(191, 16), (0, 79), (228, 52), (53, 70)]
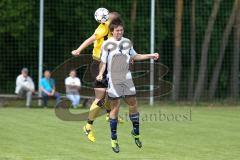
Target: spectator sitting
[(48, 88), (25, 86), (73, 85)]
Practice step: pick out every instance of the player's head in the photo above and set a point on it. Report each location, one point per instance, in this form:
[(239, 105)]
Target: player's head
[(24, 72), (47, 74), (73, 73), (116, 28), (114, 15)]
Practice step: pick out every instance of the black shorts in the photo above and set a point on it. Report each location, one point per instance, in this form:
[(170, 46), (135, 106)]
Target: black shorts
[(94, 69)]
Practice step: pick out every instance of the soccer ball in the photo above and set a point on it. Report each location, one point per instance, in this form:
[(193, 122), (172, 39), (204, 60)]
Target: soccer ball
[(101, 15)]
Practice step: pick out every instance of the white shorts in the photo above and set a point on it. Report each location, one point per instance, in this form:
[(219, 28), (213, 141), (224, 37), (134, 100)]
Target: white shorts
[(121, 90)]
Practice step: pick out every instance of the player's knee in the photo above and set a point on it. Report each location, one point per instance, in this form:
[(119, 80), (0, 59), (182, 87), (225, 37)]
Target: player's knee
[(133, 109), (132, 103), (100, 103), (114, 112)]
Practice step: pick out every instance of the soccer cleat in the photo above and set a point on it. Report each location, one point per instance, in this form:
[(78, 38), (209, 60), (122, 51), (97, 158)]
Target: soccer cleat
[(137, 139), (89, 134), (115, 146)]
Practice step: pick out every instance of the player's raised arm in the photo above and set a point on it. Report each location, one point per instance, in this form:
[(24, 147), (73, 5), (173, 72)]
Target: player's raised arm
[(140, 57), (84, 45)]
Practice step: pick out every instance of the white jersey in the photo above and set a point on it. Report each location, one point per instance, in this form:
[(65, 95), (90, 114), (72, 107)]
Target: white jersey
[(117, 55)]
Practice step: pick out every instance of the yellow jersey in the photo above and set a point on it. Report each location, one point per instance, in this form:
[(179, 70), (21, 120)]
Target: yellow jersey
[(101, 33)]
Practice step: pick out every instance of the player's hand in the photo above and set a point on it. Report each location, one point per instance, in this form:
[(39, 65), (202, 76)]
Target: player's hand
[(155, 56), (99, 77), (75, 53), (132, 61)]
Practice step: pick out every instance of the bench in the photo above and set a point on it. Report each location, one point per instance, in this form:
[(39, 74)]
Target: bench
[(6, 97)]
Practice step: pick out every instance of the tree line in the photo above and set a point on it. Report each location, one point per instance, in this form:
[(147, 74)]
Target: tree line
[(197, 39)]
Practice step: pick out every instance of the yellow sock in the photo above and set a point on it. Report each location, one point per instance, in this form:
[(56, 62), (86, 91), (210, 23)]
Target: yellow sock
[(88, 126), (94, 111), (107, 105)]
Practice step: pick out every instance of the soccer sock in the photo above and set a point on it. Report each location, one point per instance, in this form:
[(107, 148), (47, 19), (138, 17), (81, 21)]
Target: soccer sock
[(94, 111), (113, 126), (135, 122), (107, 106), (89, 125)]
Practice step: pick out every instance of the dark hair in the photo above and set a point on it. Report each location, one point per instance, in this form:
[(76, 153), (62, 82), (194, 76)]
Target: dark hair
[(115, 23), (116, 14)]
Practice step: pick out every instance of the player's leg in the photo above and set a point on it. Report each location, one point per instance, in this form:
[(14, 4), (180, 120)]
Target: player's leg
[(94, 111), (115, 103), (97, 103), (108, 110), (134, 117), (114, 94), (100, 91)]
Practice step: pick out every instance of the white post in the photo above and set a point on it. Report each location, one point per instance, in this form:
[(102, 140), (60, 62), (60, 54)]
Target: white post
[(40, 49), (151, 101)]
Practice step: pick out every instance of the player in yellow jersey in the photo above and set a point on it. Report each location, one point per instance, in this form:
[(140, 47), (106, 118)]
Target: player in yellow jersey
[(101, 33)]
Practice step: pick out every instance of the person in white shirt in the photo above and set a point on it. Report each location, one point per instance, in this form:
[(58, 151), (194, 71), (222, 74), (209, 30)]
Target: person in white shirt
[(25, 86), (73, 85)]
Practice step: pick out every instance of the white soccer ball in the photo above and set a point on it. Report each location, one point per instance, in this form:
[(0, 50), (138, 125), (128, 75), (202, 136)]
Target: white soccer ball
[(101, 15)]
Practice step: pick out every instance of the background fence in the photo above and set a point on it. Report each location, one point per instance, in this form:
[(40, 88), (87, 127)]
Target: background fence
[(198, 40)]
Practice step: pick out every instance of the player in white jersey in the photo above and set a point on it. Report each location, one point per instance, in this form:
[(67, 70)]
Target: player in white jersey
[(117, 53)]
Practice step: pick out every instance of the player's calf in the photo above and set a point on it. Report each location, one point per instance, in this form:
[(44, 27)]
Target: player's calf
[(135, 132), (114, 141)]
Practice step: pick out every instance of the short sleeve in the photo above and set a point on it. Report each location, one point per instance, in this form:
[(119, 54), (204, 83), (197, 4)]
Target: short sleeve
[(66, 81), (101, 31), (132, 52), (104, 54)]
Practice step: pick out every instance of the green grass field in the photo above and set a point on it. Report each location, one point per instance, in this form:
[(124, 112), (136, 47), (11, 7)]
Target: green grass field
[(209, 133)]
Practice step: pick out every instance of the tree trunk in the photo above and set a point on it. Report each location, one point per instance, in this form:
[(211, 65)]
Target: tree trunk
[(133, 17), (224, 42), (235, 65), (193, 51), (177, 50), (204, 51)]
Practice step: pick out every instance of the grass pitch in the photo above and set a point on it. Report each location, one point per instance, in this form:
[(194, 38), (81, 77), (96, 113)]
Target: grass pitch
[(167, 132)]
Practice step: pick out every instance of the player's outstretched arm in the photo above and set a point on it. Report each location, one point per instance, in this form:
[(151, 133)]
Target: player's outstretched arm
[(141, 57), (102, 68), (84, 45)]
